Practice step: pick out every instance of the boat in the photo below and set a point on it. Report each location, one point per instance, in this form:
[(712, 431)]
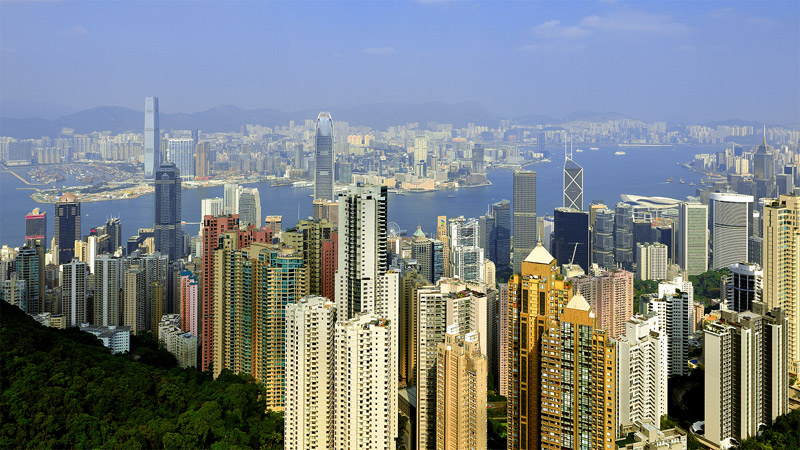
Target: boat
[(451, 196), (579, 150), (619, 153), (692, 183), (670, 180), (594, 148), (681, 181)]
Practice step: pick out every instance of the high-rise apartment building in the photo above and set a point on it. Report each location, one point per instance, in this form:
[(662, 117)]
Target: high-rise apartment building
[(152, 137), (230, 198), (74, 277), (411, 282), (250, 207), (318, 240), (461, 374), (746, 373), (742, 286), (525, 228), (562, 376), (108, 283), (572, 238), (692, 245), (310, 368), (36, 226), (431, 328), (181, 153), (135, 298), (502, 339), (611, 297), (189, 303), (675, 313), (781, 263), (730, 228), (323, 158), (641, 372), (68, 226), (442, 235), (651, 261), (168, 234), (422, 253)]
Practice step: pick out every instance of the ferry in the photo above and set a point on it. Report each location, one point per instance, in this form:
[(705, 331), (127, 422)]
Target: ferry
[(681, 181), (619, 153), (594, 148), (579, 150), (692, 183), (451, 196)]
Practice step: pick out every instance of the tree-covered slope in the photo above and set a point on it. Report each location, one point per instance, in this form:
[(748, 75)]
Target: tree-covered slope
[(63, 389)]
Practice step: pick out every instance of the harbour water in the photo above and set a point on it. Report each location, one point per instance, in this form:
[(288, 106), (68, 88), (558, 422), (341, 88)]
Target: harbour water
[(641, 171)]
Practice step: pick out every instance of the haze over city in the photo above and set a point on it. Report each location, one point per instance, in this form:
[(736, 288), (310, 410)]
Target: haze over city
[(673, 61)]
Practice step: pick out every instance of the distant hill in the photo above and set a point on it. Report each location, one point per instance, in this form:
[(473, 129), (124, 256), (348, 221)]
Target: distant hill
[(231, 118)]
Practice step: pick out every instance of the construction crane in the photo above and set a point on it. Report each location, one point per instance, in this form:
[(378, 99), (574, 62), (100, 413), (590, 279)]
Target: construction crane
[(573, 253)]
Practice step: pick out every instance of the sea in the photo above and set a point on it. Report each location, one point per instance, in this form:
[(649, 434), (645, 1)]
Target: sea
[(641, 171)]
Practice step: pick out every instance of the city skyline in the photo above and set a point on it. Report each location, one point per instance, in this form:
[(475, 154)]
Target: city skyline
[(588, 45)]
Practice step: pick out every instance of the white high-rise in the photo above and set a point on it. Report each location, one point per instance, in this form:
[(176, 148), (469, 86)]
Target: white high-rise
[(181, 153), (211, 207), (730, 228), (73, 278), (466, 254), (693, 238), (108, 274), (310, 360), (250, 207), (230, 203), (675, 315), (651, 261), (641, 372)]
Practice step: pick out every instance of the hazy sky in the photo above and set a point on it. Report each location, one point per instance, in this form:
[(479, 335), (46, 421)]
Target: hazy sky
[(676, 60)]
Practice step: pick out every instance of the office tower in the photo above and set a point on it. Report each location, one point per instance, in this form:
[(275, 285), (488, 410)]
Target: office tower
[(298, 157), (431, 328), (68, 226), (168, 235), (730, 228), (316, 239), (365, 404), (201, 167), (152, 137), (362, 249), (323, 158), (651, 261), (135, 298), (36, 226), (438, 260), (764, 170), (73, 278), (461, 374), (112, 229), (573, 184), (189, 302), (108, 284), (623, 235), (411, 282), (250, 207), (642, 372), (211, 207), (231, 198), (274, 223), (422, 252), (525, 224), (781, 263), (477, 159), (611, 298), (572, 238), (420, 155), (344, 172), (552, 337), (502, 339), (29, 264), (742, 286), (500, 236), (466, 255), (693, 238), (675, 319), (746, 376), (310, 364), (180, 152), (603, 252), (442, 235)]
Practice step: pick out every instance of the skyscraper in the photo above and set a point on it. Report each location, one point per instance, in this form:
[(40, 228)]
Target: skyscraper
[(604, 238), (201, 168), (466, 255), (525, 235), (742, 286), (675, 314), (730, 228), (74, 277), (781, 263), (461, 373), (310, 365), (152, 137), (442, 235), (572, 238), (231, 198), (68, 226), (746, 375), (108, 284), (573, 184), (168, 235), (29, 263), (250, 207), (477, 159), (181, 153), (36, 226), (651, 261), (500, 236), (623, 235), (611, 298), (422, 252), (323, 158), (693, 238), (210, 207)]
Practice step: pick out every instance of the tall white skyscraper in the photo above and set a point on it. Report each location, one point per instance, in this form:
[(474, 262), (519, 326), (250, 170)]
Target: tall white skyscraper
[(693, 238), (250, 207), (310, 364), (573, 182), (323, 158), (74, 277), (230, 203), (152, 137), (420, 155), (466, 254), (641, 372), (651, 261), (675, 314), (211, 207), (108, 274), (181, 153), (730, 228)]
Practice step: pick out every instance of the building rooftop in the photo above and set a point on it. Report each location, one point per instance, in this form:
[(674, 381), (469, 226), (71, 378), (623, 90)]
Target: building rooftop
[(539, 255), (579, 302)]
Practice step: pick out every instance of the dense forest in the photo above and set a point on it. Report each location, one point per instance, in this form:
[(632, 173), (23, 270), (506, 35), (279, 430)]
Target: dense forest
[(784, 434), (63, 389)]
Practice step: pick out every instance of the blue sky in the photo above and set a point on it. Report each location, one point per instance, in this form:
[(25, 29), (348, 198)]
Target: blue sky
[(675, 61)]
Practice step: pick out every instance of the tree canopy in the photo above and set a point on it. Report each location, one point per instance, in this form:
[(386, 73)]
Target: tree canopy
[(63, 389), (784, 434)]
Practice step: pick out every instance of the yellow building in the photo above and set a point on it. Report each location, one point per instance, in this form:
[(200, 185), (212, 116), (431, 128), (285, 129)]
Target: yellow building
[(562, 392), (461, 373)]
